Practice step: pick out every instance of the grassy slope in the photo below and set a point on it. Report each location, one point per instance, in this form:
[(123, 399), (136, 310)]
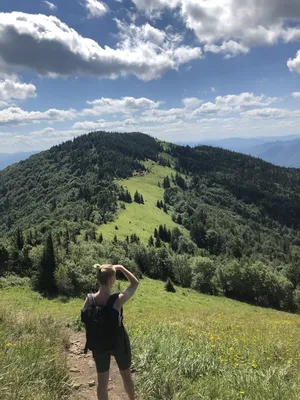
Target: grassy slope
[(138, 218), (32, 362), (191, 346)]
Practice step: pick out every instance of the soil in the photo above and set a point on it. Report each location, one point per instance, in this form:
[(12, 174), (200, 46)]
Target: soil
[(84, 375)]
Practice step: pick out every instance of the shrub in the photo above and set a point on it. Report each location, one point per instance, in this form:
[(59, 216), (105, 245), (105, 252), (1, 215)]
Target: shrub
[(169, 286), (13, 280)]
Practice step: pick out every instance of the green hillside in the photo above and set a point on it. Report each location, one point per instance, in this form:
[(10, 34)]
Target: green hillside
[(142, 219), (216, 221), (185, 346)]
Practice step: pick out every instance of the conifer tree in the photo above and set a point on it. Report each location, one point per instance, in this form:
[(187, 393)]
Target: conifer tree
[(19, 239), (46, 282), (151, 241)]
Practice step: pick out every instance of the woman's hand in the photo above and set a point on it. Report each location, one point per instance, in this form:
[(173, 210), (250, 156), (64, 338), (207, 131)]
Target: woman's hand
[(118, 267)]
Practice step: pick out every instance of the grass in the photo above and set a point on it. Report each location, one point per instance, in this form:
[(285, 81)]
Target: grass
[(189, 346), (137, 218), (32, 365)]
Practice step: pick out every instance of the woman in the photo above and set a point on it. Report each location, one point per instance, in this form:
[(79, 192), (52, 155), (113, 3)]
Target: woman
[(106, 275)]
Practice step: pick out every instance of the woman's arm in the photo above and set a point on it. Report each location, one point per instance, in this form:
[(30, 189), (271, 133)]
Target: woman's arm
[(129, 292)]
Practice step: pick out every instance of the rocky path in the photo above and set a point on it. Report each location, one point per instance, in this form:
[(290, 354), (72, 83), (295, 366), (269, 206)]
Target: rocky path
[(84, 375)]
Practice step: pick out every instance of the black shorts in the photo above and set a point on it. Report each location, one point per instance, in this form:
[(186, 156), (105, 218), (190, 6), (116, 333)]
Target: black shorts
[(122, 354)]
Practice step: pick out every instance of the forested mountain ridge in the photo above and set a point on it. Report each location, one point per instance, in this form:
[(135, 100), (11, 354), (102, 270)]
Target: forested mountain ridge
[(229, 222), (72, 180)]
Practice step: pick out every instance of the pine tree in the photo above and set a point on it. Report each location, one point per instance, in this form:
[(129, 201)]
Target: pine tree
[(166, 182), (137, 197), (179, 219), (128, 197), (157, 242), (169, 287), (100, 239), (46, 280), (155, 233), (151, 241), (93, 234), (142, 200), (115, 239), (165, 209), (158, 204), (19, 240)]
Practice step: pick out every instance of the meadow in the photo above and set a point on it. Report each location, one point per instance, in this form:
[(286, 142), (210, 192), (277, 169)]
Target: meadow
[(142, 219), (186, 346)]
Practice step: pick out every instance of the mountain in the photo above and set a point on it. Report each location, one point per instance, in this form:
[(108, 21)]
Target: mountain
[(7, 159), (286, 154), (208, 218), (282, 151)]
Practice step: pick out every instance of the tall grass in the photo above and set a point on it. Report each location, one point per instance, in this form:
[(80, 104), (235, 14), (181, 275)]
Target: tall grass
[(32, 364), (175, 366), (186, 346)]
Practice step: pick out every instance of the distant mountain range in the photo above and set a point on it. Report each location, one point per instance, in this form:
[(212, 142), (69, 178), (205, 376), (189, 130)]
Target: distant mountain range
[(7, 159), (283, 151)]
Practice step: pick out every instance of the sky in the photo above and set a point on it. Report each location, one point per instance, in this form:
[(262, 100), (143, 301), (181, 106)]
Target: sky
[(179, 70)]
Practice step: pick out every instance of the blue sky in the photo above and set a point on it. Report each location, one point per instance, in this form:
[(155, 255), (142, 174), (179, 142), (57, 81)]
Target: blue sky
[(180, 70)]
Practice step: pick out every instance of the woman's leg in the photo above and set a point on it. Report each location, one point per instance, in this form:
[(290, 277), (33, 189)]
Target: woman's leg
[(128, 383), (102, 390)]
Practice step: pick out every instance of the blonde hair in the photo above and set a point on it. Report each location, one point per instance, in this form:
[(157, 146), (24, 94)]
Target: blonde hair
[(104, 273)]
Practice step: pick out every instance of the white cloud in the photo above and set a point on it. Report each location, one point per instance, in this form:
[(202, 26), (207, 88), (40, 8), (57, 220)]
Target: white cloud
[(95, 8), (50, 5), (230, 48), (234, 103), (17, 116), (243, 100), (296, 95), (55, 49), (192, 102), (114, 106), (11, 89), (150, 5), (234, 26), (294, 64), (271, 113)]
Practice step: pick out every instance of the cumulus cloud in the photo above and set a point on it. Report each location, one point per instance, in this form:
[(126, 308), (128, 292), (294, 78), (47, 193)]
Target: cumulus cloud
[(294, 64), (50, 5), (230, 48), (114, 106), (271, 113), (95, 8), (192, 102), (14, 90), (234, 26), (17, 116), (296, 95), (53, 48), (234, 103)]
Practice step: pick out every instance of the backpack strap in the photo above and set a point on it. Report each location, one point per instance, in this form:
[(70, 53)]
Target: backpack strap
[(91, 300), (111, 301)]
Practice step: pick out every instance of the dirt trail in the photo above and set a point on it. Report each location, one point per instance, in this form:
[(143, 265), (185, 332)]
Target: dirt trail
[(84, 375)]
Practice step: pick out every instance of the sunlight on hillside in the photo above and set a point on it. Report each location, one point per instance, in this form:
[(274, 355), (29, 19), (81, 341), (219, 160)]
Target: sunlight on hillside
[(201, 347), (137, 218)]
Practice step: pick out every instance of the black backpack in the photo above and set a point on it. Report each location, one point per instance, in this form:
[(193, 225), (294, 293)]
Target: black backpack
[(103, 324)]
